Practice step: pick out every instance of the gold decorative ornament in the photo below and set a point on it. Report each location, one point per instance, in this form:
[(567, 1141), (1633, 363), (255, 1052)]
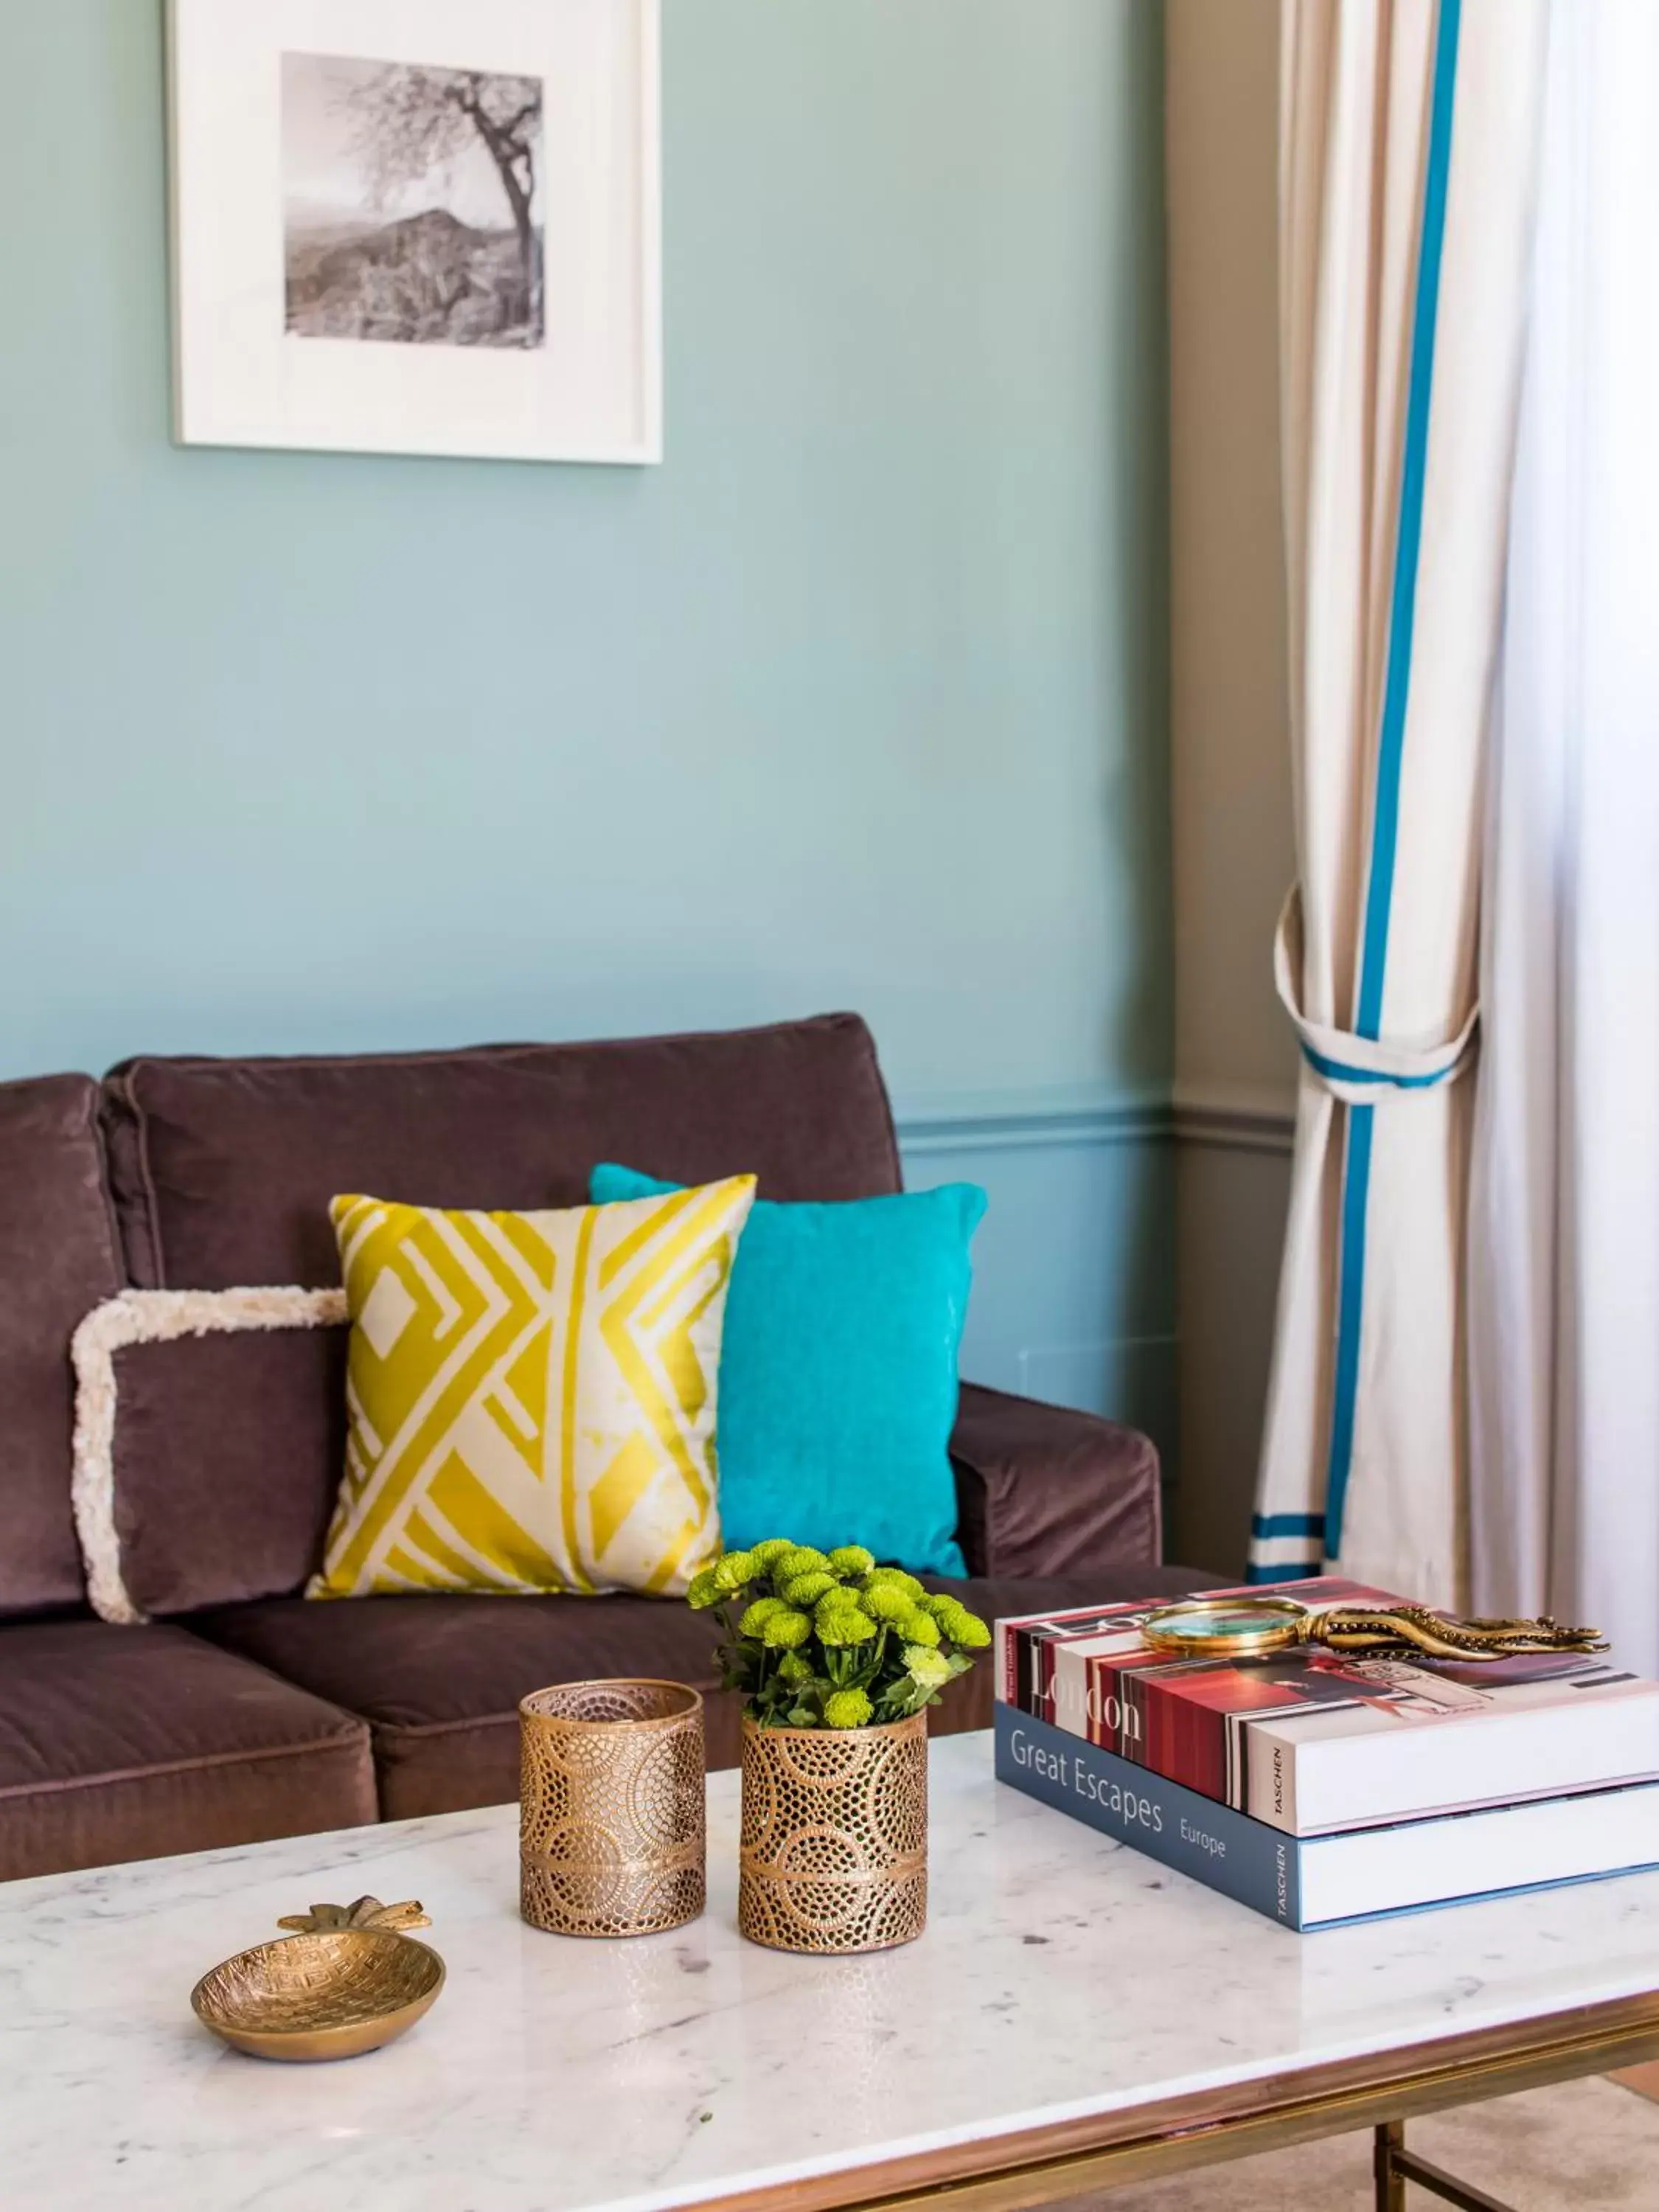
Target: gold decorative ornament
[(350, 1981), (1249, 1627), (611, 1807), (834, 1836), (366, 1912)]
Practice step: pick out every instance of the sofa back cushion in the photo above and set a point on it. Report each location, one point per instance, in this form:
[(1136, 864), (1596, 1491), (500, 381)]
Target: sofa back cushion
[(223, 1170), (58, 1260)]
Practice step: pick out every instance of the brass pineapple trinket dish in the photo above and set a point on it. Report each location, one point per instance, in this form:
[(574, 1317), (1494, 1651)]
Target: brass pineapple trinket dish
[(349, 1978)]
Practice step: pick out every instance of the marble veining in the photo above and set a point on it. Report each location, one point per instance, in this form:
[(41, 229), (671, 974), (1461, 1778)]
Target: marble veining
[(1061, 1975)]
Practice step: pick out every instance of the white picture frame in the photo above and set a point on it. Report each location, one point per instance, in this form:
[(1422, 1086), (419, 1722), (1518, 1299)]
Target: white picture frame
[(423, 227)]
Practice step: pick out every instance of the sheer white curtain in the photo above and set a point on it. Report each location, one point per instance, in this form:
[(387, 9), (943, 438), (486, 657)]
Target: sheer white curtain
[(1563, 1244)]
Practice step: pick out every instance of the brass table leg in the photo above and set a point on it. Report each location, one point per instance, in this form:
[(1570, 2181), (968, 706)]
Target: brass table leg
[(1390, 2182), (1395, 2165)]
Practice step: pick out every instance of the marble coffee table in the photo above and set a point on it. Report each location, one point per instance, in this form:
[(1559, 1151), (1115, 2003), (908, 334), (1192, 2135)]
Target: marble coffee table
[(1074, 2017)]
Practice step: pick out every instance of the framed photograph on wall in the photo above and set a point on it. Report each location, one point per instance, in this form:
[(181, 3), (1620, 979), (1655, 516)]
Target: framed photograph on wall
[(417, 226)]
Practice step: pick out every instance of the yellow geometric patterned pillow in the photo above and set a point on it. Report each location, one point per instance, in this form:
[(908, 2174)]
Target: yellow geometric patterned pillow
[(531, 1397)]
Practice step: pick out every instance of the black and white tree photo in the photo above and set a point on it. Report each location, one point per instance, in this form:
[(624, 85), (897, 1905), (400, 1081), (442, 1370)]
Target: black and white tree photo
[(412, 203)]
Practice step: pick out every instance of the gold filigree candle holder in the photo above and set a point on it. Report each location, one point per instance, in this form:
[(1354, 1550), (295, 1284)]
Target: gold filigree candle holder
[(611, 1807), (834, 1837)]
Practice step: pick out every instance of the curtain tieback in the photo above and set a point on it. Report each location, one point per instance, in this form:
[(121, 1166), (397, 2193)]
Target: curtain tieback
[(1362, 1071)]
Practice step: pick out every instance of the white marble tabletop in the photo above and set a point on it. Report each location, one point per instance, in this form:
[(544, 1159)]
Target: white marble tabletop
[(1061, 1976)]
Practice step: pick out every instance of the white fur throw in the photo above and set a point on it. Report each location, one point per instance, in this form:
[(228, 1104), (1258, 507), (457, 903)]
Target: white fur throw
[(153, 1317)]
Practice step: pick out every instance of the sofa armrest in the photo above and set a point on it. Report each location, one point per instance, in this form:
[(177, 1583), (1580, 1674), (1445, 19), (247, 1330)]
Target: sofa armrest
[(1042, 1490)]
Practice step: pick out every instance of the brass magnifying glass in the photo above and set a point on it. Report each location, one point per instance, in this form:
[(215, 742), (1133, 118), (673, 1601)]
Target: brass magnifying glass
[(1250, 1627)]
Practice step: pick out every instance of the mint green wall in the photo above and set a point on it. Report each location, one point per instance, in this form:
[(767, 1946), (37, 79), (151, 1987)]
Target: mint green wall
[(857, 701)]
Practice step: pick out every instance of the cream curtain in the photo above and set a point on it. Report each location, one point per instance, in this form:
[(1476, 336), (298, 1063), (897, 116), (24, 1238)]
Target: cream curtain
[(1408, 154), (1563, 1245)]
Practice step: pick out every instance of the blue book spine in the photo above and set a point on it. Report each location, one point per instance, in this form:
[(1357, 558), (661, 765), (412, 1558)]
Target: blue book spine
[(1243, 1858)]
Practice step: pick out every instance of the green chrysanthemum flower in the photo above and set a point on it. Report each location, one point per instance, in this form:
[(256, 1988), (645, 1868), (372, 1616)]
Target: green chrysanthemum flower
[(919, 1628), (793, 1667), (894, 1579), (704, 1591), (797, 1559), (884, 1602), (786, 1631), (846, 1708), (767, 1554), (929, 1670), (731, 1572), (959, 1625), (852, 1559), (808, 1589), (762, 1610), (844, 1624)]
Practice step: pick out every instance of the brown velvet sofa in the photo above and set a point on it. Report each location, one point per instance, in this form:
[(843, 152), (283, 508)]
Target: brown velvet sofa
[(240, 1711)]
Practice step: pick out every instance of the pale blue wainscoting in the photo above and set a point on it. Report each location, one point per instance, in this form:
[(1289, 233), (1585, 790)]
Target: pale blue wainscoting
[(1073, 1277)]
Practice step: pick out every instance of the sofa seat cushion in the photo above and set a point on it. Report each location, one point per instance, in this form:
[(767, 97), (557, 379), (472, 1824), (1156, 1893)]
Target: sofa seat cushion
[(132, 1743), (439, 1679)]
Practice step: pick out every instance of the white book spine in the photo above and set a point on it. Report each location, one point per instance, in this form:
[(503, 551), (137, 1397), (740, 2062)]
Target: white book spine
[(1270, 1778)]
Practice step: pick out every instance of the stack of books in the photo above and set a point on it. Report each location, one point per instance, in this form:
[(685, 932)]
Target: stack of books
[(1319, 1787)]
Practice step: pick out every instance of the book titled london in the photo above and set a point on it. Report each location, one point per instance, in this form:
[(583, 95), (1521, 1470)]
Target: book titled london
[(1320, 1881), (1312, 1741)]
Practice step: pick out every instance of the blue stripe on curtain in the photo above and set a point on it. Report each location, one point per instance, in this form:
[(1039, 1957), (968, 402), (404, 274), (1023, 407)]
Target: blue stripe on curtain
[(1339, 1072), (1287, 1524), (1303, 1573), (1385, 820)]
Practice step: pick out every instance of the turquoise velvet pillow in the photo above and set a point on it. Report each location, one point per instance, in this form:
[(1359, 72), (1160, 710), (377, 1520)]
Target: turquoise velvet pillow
[(838, 1369)]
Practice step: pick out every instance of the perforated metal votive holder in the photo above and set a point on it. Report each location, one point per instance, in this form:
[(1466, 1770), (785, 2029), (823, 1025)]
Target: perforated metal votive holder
[(834, 1837), (611, 1807)]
